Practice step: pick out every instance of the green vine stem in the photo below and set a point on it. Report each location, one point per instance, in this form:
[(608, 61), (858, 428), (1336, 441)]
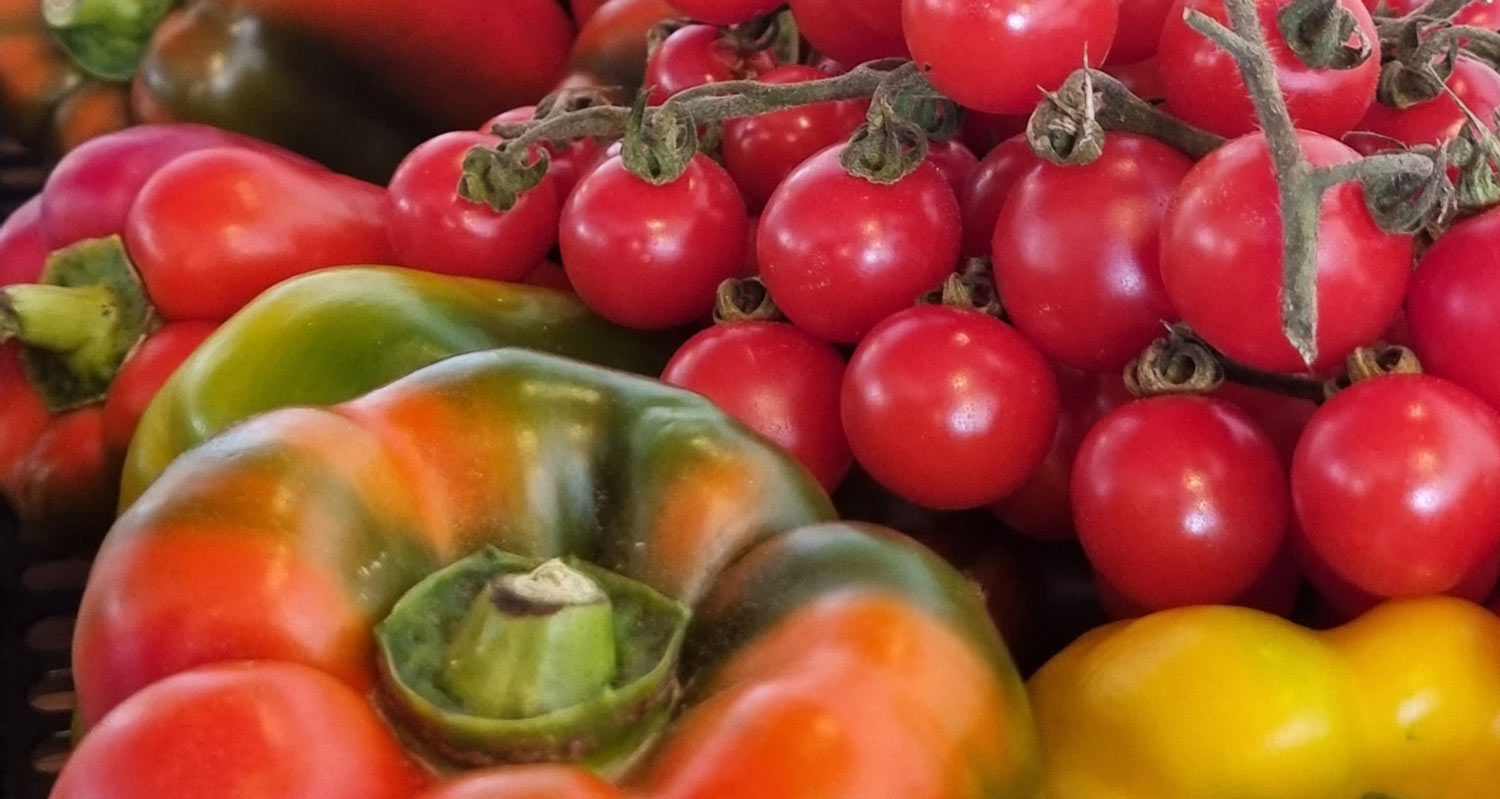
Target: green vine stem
[(1300, 184), (714, 102), (1068, 126)]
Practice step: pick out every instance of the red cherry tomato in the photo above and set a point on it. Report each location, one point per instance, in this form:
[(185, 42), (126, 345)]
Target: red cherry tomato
[(984, 194), (955, 161), (760, 151), (1438, 120), (780, 381), (1282, 418), (1179, 500), (1076, 253), (1142, 78), (997, 55), (433, 229), (832, 31), (583, 9), (1222, 266), (1477, 13), (649, 256), (982, 132), (1453, 306), (699, 54), (566, 163), (251, 730), (1274, 592), (611, 48), (1203, 85), (725, 12), (1139, 30), (1397, 484), (1043, 508), (949, 408), (839, 253), (881, 16)]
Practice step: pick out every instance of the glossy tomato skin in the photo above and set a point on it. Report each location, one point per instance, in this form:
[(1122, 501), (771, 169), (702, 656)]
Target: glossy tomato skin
[(435, 230), (992, 55), (248, 729), (760, 151), (984, 194), (1139, 30), (698, 54), (1477, 12), (1179, 500), (1435, 121), (1453, 306), (725, 12), (1221, 263), (566, 163), (781, 381), (840, 253), (833, 31), (1043, 508), (611, 47), (1203, 85), (242, 221), (1076, 253), (948, 407), (651, 257), (957, 163), (1397, 484)]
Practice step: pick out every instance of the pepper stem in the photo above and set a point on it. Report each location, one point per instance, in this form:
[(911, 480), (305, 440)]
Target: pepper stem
[(533, 643), (73, 320)]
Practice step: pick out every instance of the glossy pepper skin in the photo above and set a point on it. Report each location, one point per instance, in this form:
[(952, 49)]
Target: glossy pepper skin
[(1230, 703), (826, 660), (330, 336)]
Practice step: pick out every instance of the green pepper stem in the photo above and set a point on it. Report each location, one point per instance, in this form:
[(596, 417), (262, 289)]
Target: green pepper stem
[(533, 643), (77, 321)]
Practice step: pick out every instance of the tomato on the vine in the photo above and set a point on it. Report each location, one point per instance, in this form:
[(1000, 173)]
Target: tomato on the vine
[(829, 28), (695, 55), (1139, 30), (1203, 85), (1453, 306), (881, 16), (984, 194), (1474, 87), (760, 151), (1478, 13), (839, 253), (1221, 258), (1396, 483), (1076, 253), (649, 256), (998, 55), (567, 162), (949, 407), (1179, 500), (781, 381), (725, 12), (432, 228), (611, 46), (957, 163)]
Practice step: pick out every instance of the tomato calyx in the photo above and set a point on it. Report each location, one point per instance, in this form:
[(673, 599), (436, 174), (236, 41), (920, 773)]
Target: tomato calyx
[(80, 322), (1068, 126), (501, 659), (1368, 363), (971, 288), (904, 112), (1183, 363), (745, 300), (1319, 32)]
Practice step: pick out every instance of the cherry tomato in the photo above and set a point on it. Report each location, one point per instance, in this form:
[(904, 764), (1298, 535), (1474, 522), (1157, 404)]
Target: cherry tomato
[(948, 407), (1203, 85), (1076, 253), (433, 229), (1282, 418), (1179, 500), (955, 161), (699, 54), (1478, 13), (1453, 306), (830, 29), (997, 55), (1397, 484), (566, 163), (839, 253), (611, 47), (251, 730), (1142, 78), (1274, 592), (780, 381), (1043, 508), (1139, 30), (1222, 266), (982, 132), (760, 151), (982, 197), (725, 12), (649, 256), (583, 9), (1476, 87), (881, 16)]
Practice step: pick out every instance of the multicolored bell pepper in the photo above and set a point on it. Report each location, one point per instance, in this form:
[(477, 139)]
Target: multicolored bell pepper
[(528, 559)]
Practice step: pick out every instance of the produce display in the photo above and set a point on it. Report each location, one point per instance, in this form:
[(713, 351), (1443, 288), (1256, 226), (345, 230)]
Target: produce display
[(685, 399)]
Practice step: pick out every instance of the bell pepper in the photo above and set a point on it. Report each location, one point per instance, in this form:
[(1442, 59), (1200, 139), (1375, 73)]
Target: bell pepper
[(352, 83), (1230, 703), (528, 559)]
